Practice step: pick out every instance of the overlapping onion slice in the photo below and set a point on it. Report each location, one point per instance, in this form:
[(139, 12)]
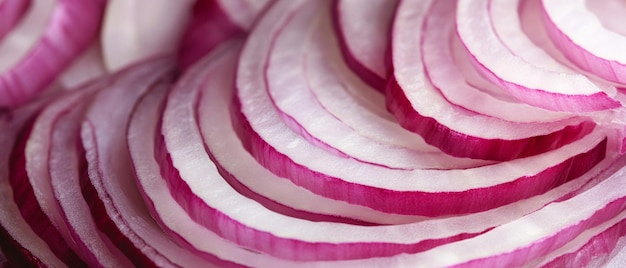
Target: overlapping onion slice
[(529, 238), (364, 46), (152, 186), (115, 203), (438, 192), (198, 186), (51, 35), (546, 88), (439, 46), (299, 61), (67, 169), (42, 210), (582, 38), (19, 242), (420, 108)]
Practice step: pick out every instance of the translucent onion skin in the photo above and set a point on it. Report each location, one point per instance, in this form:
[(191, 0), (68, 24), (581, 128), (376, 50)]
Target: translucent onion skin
[(72, 28)]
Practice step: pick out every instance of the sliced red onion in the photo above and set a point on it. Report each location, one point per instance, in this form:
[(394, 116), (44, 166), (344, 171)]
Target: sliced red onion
[(24, 36), (133, 30), (242, 171), (347, 99), (197, 186), (349, 94), (421, 108), (444, 74), (115, 203), (364, 45), (552, 90), (297, 63), (11, 12), (172, 218), (592, 248), (518, 25), (582, 38), (18, 240), (290, 156), (51, 223), (67, 170), (223, 202), (71, 29), (523, 240)]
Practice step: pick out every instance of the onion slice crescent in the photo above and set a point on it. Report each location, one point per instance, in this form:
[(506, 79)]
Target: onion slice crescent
[(71, 29), (552, 90), (581, 37)]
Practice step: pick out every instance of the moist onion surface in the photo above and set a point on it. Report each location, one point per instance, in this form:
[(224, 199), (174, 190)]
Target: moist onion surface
[(295, 133)]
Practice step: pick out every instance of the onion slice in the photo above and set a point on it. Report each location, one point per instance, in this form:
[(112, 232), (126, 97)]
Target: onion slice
[(364, 46), (36, 156), (297, 63), (447, 77), (18, 240), (162, 206), (110, 191), (69, 32), (67, 170), (198, 187), (291, 156), (552, 90), (422, 109), (582, 38)]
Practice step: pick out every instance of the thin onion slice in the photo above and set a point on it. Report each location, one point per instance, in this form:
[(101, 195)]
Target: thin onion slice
[(37, 176), (198, 187), (526, 239), (364, 45), (250, 178), (16, 237), (164, 209), (582, 38), (422, 109), (591, 248), (297, 63), (24, 36), (444, 74), (67, 170), (439, 192), (72, 27), (552, 90), (344, 95), (185, 164), (110, 191)]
